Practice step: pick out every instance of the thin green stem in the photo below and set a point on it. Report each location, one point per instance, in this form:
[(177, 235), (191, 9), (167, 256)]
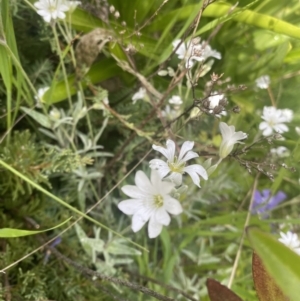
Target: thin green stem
[(239, 252), (61, 57)]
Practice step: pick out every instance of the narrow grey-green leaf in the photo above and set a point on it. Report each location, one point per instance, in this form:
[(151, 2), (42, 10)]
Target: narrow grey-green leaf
[(38, 117)]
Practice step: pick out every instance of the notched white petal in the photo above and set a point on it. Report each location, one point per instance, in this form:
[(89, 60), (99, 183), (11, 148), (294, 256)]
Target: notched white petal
[(138, 221), (130, 207), (173, 206), (154, 228)]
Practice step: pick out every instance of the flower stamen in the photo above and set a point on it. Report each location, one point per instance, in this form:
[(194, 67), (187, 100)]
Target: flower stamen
[(158, 200)]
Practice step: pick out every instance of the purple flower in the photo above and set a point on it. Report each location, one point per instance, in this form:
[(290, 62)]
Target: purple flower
[(264, 201)]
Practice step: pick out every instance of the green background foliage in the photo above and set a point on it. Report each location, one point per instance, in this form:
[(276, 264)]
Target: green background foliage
[(79, 150)]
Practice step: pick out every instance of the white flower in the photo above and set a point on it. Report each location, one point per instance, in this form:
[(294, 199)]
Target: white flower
[(150, 201), (169, 113), (229, 138), (297, 129), (140, 94), (72, 4), (287, 114), (52, 9), (40, 96), (192, 50), (176, 165), (274, 120), (263, 82), (55, 114), (175, 100), (214, 101), (280, 151), (291, 240)]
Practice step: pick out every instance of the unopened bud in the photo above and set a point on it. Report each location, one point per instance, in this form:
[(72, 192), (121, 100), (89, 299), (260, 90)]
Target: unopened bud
[(223, 102), (218, 109), (112, 9), (236, 109), (162, 72), (117, 15), (206, 103), (277, 136), (55, 114), (196, 41), (214, 77)]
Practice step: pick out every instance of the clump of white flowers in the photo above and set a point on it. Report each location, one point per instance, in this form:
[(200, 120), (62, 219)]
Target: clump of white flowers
[(274, 120), (194, 51), (155, 199)]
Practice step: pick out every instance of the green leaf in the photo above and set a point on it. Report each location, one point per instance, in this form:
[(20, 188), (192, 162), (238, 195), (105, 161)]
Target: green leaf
[(119, 248), (265, 286), (10, 233), (38, 117), (239, 14), (281, 263), (100, 71), (252, 18)]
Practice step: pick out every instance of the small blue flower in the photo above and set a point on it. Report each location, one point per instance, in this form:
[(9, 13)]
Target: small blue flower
[(264, 201)]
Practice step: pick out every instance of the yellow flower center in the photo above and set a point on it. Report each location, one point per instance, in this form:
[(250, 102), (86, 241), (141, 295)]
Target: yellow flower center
[(175, 166), (52, 8), (158, 200)]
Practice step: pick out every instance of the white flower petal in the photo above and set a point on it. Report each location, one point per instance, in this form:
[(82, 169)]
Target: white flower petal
[(291, 240), (168, 152), (154, 228), (189, 155), (176, 178), (173, 206), (130, 207), (175, 100), (133, 191), (47, 18), (229, 138), (267, 132), (198, 170), (186, 146), (142, 182), (161, 166), (166, 188), (138, 221), (280, 128), (162, 216)]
